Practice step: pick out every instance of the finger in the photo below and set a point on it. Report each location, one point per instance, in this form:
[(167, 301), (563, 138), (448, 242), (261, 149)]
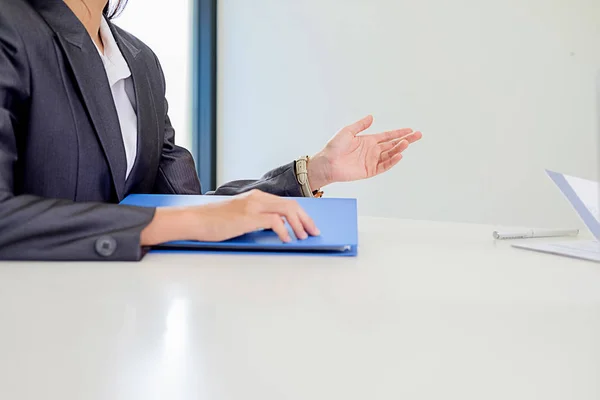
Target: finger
[(388, 164), (360, 126), (308, 223), (391, 135), (387, 146), (398, 147), (411, 137), (274, 222), (292, 211), (294, 220)]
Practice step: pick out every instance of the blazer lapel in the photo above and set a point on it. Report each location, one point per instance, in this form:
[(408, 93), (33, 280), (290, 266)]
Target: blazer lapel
[(89, 73), (149, 147)]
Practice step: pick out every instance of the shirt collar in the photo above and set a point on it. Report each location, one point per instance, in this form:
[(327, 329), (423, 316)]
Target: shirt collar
[(113, 60)]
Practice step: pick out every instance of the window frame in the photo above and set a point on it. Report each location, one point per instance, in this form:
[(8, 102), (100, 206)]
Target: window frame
[(204, 94)]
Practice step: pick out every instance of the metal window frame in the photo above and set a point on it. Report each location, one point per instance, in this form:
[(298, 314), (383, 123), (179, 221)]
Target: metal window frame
[(204, 94)]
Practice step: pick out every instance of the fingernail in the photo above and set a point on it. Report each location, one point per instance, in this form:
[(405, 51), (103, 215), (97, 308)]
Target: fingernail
[(304, 236), (287, 239), (317, 231)]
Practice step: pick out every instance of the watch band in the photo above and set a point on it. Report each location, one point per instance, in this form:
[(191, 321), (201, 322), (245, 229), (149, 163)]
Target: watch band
[(302, 176)]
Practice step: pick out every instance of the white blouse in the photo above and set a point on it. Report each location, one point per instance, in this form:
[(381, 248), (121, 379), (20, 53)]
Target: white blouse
[(121, 85)]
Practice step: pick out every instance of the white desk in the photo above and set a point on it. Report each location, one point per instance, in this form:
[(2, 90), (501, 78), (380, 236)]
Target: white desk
[(427, 311)]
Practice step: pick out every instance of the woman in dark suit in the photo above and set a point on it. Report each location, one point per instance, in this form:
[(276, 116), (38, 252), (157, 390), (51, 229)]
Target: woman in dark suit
[(83, 123)]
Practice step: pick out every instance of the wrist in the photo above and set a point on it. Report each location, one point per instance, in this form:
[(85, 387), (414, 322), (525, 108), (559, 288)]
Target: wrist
[(168, 224), (318, 172)]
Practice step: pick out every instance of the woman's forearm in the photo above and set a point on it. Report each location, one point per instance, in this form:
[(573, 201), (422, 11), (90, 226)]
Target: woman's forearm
[(224, 220), (168, 224)]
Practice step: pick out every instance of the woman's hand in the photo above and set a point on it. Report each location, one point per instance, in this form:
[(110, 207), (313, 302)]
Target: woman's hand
[(225, 220), (349, 156)]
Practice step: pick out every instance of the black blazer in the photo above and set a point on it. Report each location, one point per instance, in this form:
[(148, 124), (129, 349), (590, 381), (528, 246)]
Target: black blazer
[(62, 159)]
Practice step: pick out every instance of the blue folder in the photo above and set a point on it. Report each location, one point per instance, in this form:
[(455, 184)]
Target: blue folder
[(335, 218)]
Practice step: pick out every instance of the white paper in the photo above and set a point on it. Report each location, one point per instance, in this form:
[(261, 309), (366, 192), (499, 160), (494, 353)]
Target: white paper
[(587, 191), (585, 250), (585, 203)]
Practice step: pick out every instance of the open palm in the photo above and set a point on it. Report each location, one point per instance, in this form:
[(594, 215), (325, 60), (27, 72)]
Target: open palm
[(349, 156)]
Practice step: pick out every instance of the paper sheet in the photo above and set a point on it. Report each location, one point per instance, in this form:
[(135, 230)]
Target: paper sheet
[(583, 196), (582, 249), (587, 191)]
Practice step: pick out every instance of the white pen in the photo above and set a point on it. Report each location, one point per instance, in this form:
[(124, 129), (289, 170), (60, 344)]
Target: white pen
[(534, 233)]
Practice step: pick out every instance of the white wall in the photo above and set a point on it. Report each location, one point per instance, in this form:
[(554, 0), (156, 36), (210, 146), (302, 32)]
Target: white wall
[(501, 90), (166, 28)]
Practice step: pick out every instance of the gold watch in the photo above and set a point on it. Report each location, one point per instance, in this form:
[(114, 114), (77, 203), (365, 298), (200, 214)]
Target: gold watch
[(302, 177)]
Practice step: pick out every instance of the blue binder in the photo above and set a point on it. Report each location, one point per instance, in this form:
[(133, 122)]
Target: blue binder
[(335, 218)]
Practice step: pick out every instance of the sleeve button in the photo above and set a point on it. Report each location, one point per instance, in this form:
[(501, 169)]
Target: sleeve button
[(106, 246)]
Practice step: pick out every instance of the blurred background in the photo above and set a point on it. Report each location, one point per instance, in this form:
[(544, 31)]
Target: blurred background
[(502, 90)]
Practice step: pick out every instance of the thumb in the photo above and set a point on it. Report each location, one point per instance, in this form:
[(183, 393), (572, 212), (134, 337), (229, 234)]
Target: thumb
[(360, 126)]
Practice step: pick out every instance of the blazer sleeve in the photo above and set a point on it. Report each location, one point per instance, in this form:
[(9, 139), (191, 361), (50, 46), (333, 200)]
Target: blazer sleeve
[(36, 228), (177, 171), (280, 182)]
